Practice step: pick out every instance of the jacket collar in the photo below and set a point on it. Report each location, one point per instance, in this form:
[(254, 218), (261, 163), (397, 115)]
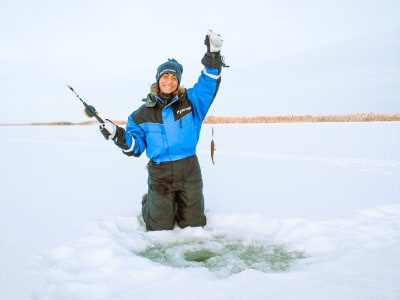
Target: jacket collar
[(151, 100)]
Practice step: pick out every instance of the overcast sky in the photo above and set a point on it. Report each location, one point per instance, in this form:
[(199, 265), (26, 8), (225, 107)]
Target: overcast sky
[(286, 57)]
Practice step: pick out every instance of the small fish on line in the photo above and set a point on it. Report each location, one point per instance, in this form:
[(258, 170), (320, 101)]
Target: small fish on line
[(212, 146)]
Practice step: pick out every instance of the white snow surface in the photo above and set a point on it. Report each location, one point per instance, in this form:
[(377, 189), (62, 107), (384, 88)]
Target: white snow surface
[(295, 211)]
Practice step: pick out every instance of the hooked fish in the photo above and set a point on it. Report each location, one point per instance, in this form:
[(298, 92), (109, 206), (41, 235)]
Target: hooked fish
[(212, 146)]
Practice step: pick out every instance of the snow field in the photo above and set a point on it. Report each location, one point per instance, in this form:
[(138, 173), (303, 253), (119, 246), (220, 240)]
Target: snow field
[(295, 211)]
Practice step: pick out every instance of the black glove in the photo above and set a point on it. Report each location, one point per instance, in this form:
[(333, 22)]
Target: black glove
[(213, 41), (111, 131), (108, 129), (213, 58)]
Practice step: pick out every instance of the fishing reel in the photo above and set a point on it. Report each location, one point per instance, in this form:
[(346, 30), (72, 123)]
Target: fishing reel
[(90, 111)]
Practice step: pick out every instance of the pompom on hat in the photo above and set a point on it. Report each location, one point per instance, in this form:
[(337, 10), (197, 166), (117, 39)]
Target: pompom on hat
[(170, 67)]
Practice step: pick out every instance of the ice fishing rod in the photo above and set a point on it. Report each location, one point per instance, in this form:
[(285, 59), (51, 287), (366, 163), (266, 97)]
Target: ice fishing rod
[(90, 111)]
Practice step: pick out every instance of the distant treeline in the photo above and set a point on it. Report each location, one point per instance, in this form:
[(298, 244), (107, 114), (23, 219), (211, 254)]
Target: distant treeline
[(360, 117)]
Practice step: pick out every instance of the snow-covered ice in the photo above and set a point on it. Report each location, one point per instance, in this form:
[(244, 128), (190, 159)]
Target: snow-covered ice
[(295, 211)]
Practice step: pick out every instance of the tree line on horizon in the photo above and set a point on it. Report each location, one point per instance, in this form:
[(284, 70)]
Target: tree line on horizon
[(359, 117)]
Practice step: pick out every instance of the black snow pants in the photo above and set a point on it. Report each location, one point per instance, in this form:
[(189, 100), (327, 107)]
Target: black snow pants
[(175, 194)]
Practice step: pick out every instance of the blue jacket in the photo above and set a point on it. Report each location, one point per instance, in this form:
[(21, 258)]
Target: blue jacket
[(170, 132)]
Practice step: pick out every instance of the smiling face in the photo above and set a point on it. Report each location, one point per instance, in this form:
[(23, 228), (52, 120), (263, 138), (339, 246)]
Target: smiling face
[(168, 83)]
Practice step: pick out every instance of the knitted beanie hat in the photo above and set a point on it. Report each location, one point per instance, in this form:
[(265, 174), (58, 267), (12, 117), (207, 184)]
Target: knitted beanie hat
[(170, 67)]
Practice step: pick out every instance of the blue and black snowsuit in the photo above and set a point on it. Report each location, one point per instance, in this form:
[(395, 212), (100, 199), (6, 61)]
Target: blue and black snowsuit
[(169, 132)]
